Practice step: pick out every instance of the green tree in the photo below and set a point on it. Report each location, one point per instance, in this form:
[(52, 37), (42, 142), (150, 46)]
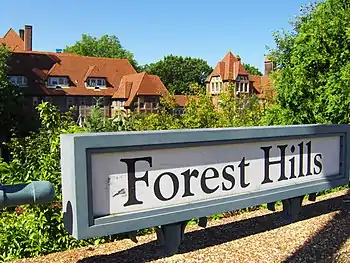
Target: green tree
[(177, 72), (252, 70), (313, 66), (13, 118), (105, 46)]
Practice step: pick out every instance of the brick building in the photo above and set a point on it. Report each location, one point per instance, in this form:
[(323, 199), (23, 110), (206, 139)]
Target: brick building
[(68, 80), (18, 42), (230, 71)]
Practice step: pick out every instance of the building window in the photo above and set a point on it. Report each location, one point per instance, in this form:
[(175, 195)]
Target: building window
[(35, 101), (20, 81), (98, 101), (122, 103), (246, 87), (142, 105), (96, 82), (82, 101), (241, 87), (212, 87), (70, 102), (58, 81), (48, 99)]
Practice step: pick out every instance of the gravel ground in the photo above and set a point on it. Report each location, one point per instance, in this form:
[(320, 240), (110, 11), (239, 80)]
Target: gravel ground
[(321, 235)]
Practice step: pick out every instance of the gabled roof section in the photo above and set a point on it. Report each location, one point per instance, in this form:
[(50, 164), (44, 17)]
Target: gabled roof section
[(139, 84), (93, 71), (38, 66), (228, 68), (263, 85), (13, 41), (256, 82)]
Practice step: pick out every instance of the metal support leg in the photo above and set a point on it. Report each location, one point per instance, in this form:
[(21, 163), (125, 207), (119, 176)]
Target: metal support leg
[(203, 221), (312, 197), (170, 236), (132, 235), (292, 207), (271, 206)]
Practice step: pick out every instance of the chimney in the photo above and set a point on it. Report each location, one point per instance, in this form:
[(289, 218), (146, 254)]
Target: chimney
[(21, 34), (28, 31), (269, 66)]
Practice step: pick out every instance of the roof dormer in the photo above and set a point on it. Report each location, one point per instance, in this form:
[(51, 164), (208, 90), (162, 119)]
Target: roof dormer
[(19, 81), (96, 83), (57, 82)]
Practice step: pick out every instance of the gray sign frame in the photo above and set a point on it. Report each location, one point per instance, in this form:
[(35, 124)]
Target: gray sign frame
[(76, 150)]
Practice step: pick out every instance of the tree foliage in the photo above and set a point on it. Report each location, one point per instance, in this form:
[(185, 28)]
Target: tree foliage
[(252, 70), (177, 72), (105, 46), (30, 231), (13, 119), (313, 62)]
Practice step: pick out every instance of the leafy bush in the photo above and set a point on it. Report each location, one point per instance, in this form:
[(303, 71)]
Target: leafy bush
[(30, 231)]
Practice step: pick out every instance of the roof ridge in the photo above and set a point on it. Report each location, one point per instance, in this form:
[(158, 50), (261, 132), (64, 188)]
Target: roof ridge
[(143, 74), (66, 54), (51, 69), (10, 30)]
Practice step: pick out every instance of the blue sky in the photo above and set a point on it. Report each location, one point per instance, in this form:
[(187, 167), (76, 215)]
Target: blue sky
[(152, 29)]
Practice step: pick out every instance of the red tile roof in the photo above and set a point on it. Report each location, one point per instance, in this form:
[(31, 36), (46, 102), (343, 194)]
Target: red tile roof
[(256, 80), (263, 85), (38, 66), (139, 84), (228, 68), (182, 100), (13, 41), (266, 87)]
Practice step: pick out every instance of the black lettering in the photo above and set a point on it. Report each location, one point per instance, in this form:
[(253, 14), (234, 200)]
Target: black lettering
[(292, 168), (242, 166), (187, 176), (301, 159), (132, 200), (292, 163), (268, 163), (308, 145), (205, 188), (318, 163), (157, 186), (228, 177)]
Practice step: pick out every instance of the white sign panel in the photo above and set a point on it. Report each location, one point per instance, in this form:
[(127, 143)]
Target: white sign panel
[(124, 182)]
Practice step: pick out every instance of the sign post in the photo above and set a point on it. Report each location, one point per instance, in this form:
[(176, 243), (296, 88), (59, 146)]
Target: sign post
[(125, 181)]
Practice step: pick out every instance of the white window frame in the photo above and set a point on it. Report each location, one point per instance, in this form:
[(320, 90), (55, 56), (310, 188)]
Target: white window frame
[(20, 81), (57, 81), (94, 82), (70, 102), (246, 87), (122, 104), (241, 87)]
